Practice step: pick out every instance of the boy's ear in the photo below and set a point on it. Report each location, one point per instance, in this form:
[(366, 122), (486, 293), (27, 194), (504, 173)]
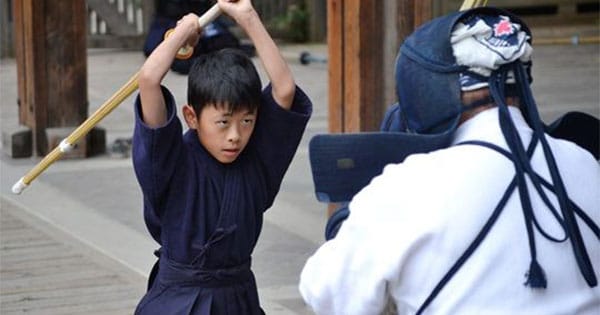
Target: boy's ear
[(189, 114)]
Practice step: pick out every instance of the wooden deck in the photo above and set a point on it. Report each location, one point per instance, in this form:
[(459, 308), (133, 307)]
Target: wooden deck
[(45, 271)]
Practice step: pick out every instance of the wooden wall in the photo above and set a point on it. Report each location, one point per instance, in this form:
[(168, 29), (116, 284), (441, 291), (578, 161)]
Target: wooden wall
[(6, 29)]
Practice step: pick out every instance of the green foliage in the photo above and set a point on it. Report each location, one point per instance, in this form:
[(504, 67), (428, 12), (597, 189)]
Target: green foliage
[(293, 25)]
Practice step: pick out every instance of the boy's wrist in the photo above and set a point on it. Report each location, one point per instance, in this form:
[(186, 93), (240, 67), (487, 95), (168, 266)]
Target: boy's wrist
[(190, 28), (249, 19)]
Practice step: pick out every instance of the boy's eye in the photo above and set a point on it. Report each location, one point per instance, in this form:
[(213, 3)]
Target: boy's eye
[(248, 121), (222, 122)]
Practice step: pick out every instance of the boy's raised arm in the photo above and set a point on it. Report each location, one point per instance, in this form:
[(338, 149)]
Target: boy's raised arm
[(282, 81), (157, 65)]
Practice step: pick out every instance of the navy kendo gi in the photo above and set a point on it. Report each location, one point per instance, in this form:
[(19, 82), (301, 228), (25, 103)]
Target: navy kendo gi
[(206, 215)]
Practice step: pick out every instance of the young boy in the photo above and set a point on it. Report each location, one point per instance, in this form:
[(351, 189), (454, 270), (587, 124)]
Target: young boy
[(205, 192)]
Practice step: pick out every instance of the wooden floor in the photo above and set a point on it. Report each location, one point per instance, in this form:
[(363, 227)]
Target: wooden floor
[(45, 271)]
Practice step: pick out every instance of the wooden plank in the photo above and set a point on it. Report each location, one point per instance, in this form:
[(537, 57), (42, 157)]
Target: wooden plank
[(41, 274), (405, 19), (40, 271), (33, 255), (335, 64), (362, 66), (17, 241), (31, 264), (423, 12), (371, 65), (351, 67), (335, 42), (72, 306), (67, 296)]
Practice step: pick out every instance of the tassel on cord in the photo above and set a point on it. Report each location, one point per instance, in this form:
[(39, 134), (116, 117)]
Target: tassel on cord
[(536, 277)]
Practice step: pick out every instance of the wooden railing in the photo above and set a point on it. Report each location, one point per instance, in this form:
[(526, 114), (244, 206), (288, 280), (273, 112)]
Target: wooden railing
[(124, 23), (118, 23)]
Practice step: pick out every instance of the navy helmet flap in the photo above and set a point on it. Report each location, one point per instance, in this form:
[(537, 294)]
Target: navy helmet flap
[(427, 83)]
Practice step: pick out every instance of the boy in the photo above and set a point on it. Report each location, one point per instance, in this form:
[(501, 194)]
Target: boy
[(205, 192)]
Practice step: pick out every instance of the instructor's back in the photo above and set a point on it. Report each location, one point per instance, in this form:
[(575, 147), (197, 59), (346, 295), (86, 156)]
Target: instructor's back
[(503, 220)]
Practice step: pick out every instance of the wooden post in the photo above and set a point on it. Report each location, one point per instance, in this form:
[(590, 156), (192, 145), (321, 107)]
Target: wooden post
[(50, 45), (335, 43), (423, 12), (358, 57), (355, 65), (355, 41)]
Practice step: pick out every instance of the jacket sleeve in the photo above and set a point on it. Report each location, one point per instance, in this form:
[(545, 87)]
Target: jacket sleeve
[(156, 153), (359, 270), (277, 136), (348, 274)]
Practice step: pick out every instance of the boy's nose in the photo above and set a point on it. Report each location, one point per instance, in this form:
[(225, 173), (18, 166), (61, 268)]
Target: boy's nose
[(233, 135)]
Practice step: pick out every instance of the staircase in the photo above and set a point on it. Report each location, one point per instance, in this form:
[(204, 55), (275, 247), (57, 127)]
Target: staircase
[(118, 23)]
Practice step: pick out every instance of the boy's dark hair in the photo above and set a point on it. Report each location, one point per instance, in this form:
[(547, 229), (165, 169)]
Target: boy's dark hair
[(225, 78)]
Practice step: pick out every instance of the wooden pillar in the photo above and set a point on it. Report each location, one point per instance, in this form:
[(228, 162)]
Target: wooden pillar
[(50, 45), (355, 64), (411, 14), (360, 61), (355, 34), (423, 12)]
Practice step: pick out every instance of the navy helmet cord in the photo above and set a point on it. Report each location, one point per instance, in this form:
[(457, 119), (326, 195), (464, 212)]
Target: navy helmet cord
[(535, 276)]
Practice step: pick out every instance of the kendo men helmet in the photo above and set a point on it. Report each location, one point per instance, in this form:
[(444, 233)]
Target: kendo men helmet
[(448, 55), (466, 51)]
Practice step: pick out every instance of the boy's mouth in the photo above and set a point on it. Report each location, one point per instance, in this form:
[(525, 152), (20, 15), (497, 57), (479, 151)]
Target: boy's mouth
[(231, 152)]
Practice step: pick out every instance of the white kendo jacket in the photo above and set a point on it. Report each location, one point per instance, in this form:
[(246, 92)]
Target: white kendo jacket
[(411, 223)]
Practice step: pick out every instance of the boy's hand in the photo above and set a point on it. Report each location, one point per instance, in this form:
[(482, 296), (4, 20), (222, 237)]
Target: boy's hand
[(189, 25), (282, 82), (239, 10), (156, 66)]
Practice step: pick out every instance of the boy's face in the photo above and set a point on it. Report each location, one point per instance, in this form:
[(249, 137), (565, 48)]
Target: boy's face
[(224, 134)]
